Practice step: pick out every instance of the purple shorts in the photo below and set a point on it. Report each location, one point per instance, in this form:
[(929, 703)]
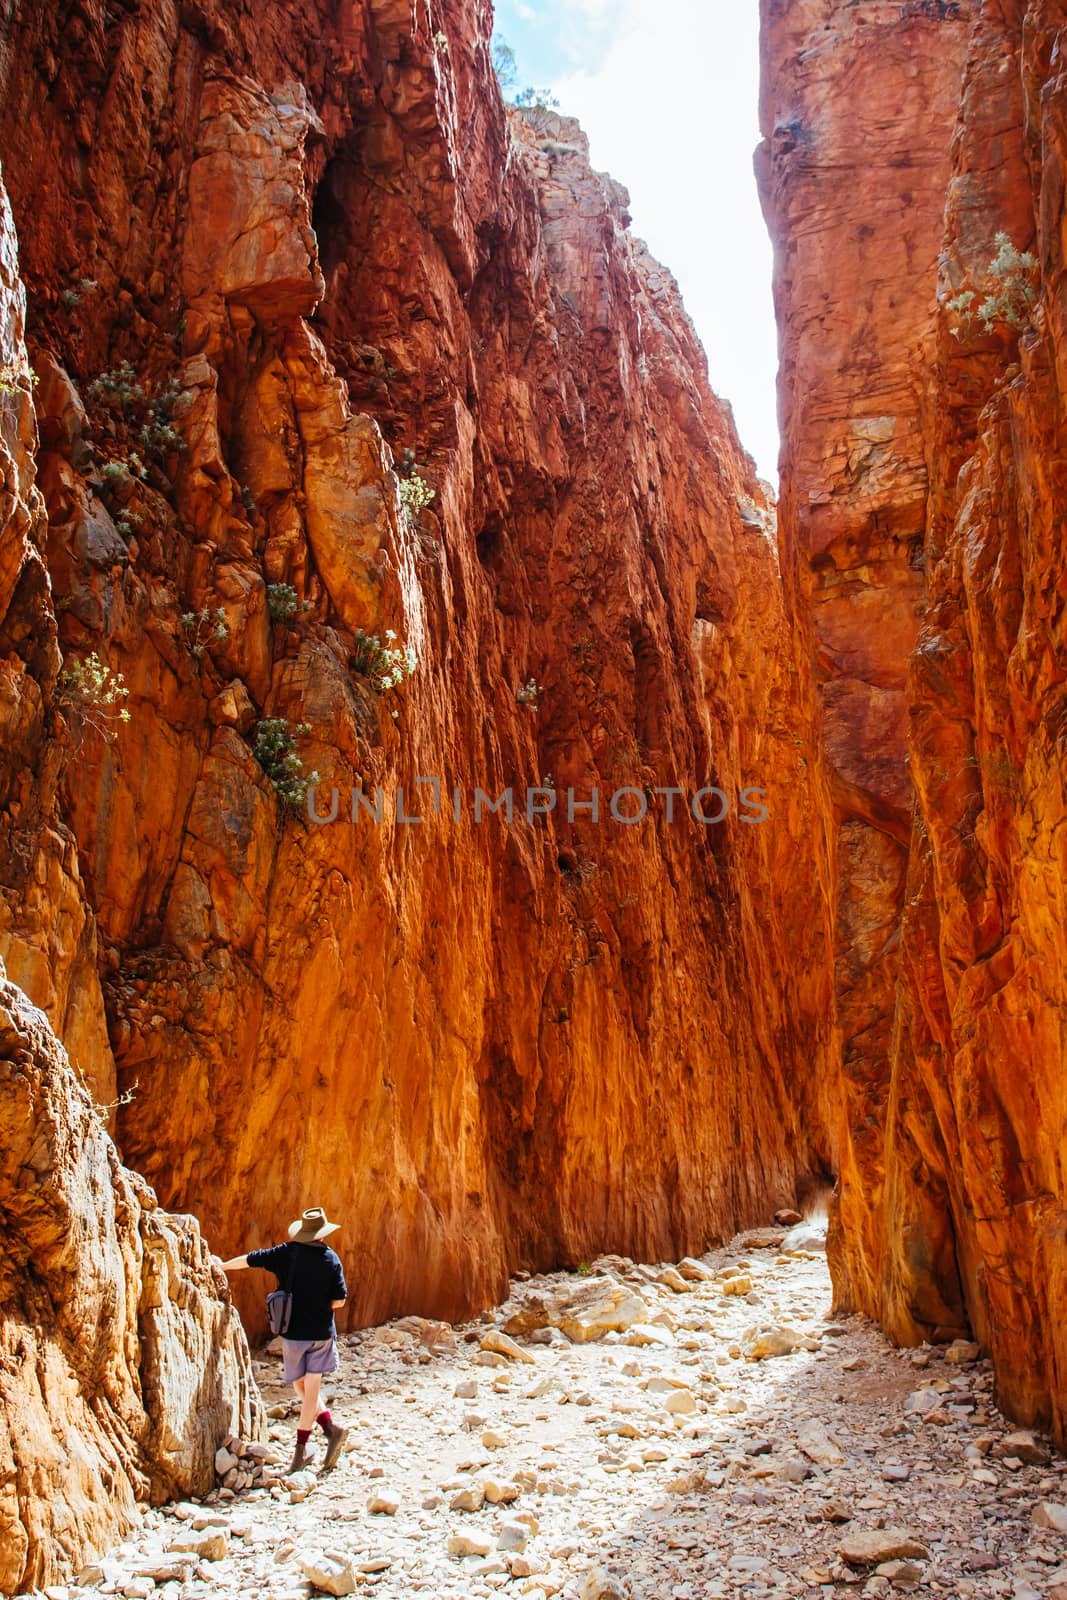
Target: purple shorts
[(302, 1356)]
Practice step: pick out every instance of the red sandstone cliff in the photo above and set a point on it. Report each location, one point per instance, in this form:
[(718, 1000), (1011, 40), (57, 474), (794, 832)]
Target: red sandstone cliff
[(328, 253), (123, 1365), (921, 493), (481, 1046), (122, 1362)]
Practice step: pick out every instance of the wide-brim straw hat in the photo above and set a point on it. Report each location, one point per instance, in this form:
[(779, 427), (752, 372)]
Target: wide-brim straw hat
[(314, 1224)]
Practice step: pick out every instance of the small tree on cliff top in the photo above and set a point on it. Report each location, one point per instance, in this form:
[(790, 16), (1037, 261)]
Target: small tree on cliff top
[(504, 65), (507, 73)]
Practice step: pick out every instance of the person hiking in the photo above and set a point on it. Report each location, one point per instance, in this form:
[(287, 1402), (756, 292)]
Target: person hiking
[(310, 1271)]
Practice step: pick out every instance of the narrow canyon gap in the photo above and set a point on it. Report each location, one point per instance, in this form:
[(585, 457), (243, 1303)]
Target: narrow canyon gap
[(346, 278)]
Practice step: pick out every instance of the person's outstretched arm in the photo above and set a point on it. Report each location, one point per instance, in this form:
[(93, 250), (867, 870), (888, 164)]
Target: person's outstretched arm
[(236, 1265)]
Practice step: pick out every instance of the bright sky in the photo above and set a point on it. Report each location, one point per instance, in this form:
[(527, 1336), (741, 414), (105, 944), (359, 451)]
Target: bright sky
[(667, 92)]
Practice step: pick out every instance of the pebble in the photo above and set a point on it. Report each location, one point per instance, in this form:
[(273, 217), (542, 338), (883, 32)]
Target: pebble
[(1046, 1514), (464, 1544), (333, 1574), (742, 1284), (503, 1344), (210, 1545), (867, 1548), (763, 1344)]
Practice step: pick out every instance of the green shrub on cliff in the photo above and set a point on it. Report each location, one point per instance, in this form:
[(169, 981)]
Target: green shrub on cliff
[(145, 415), (415, 494), (274, 747), (507, 72), (529, 693), (1010, 298), (92, 694), (384, 665), (202, 628), (283, 602), (504, 65), (14, 374)]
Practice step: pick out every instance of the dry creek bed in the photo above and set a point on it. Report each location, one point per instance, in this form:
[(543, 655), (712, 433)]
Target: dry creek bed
[(675, 1456)]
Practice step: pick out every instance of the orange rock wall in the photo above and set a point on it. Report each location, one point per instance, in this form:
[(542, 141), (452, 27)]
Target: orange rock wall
[(123, 1365), (858, 106), (485, 1046), (950, 1144)]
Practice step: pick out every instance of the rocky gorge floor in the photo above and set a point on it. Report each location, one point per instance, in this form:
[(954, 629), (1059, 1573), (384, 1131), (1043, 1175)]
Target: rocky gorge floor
[(631, 1433)]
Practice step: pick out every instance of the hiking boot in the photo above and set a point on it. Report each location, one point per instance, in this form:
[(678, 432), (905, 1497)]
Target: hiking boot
[(335, 1438), (300, 1456)]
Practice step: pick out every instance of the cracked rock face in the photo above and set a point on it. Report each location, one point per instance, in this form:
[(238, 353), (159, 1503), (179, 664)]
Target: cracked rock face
[(122, 1360)]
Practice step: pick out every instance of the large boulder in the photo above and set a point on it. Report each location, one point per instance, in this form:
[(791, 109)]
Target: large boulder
[(123, 1365)]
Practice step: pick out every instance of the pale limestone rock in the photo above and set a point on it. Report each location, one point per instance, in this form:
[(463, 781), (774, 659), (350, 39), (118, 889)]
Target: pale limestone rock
[(921, 1402), (599, 1307), (524, 1566), (648, 1333), (806, 1236), (211, 1545), (680, 1403), (1025, 1447), (961, 1352), (900, 1573), (471, 1499), (164, 1571), (868, 1548), (763, 1344), (465, 1544), (819, 1445), (500, 1493), (604, 1583), (1050, 1514), (502, 1345), (334, 1574)]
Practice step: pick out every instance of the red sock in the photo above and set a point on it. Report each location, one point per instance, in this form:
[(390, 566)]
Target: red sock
[(303, 1435), (323, 1420)]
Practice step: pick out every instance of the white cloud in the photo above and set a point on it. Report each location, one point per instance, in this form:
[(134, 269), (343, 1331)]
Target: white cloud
[(671, 112)]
